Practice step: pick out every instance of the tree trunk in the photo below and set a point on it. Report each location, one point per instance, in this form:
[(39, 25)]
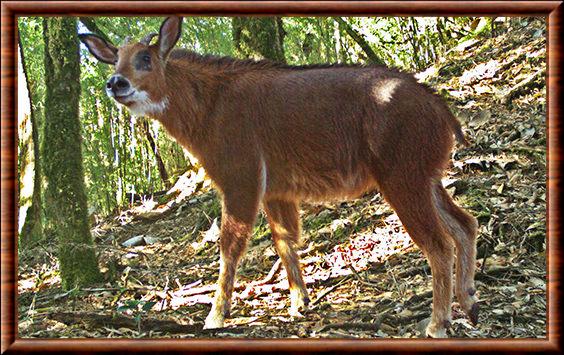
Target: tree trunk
[(325, 29), (338, 44), (359, 39), (65, 197), (160, 164), (259, 37), (415, 44), (32, 230)]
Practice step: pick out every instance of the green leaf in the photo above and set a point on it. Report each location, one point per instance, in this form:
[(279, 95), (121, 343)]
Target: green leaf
[(148, 305)]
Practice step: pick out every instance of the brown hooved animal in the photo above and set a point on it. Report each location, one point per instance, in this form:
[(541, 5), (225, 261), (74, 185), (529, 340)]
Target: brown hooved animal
[(274, 135)]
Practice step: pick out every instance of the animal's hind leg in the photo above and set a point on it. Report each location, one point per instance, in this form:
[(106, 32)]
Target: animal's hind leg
[(463, 229), (412, 201), (283, 217)]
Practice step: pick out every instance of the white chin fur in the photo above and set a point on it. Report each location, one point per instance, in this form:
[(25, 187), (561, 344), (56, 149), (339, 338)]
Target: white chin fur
[(141, 105)]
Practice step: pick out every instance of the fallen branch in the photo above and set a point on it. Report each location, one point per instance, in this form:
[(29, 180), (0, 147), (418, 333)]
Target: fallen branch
[(504, 273), (423, 269), (92, 290), (117, 321), (519, 89), (427, 296), (530, 150), (353, 326)]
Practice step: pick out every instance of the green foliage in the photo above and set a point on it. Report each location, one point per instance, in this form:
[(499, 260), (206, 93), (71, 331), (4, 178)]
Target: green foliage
[(212, 208), (138, 308), (309, 40), (259, 37)]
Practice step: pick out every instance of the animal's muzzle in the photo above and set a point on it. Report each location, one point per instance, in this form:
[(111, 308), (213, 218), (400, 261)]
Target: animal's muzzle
[(118, 86)]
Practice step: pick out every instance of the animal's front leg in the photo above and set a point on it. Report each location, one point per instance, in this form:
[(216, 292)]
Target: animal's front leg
[(239, 210), (233, 239)]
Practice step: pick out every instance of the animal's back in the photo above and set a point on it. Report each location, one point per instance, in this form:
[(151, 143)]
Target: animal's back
[(322, 132)]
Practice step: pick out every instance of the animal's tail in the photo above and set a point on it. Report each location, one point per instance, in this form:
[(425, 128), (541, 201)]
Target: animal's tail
[(444, 111)]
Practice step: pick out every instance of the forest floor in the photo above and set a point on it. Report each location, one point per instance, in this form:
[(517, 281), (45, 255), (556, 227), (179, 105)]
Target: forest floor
[(365, 277)]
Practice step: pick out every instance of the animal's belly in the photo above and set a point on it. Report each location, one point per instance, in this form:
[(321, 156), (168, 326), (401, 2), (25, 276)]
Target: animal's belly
[(317, 186)]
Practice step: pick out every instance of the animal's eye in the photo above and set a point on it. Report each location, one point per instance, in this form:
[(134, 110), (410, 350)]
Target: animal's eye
[(143, 61)]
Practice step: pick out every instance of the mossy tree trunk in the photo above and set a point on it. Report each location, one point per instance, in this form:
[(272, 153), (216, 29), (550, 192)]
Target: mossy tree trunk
[(65, 198), (259, 37)]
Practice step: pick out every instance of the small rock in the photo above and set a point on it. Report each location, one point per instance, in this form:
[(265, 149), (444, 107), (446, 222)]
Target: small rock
[(135, 241)]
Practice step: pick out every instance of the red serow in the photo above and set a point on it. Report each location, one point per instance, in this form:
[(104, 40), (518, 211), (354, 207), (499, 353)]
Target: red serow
[(273, 135)]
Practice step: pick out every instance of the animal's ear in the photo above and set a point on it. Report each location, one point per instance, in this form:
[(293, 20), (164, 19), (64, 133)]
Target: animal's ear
[(102, 50), (169, 35)]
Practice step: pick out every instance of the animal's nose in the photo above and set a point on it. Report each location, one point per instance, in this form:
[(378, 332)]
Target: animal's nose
[(117, 83)]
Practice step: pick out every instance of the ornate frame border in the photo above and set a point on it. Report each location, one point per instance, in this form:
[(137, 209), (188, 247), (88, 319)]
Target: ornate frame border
[(552, 10)]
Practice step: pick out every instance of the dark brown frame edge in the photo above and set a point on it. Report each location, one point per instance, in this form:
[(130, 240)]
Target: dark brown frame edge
[(552, 10)]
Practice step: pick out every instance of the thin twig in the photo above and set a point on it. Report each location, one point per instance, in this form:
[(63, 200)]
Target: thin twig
[(360, 278), (271, 274), (330, 289)]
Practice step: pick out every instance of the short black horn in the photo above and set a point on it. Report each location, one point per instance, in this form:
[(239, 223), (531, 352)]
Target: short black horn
[(148, 38)]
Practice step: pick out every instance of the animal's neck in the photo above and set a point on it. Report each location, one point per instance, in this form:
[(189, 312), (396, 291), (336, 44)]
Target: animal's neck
[(190, 96)]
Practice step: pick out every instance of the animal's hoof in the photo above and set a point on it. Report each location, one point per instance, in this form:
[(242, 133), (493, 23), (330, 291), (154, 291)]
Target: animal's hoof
[(469, 303), (298, 310), (436, 333), (299, 304), (473, 314), (429, 329), (295, 313), (214, 321)]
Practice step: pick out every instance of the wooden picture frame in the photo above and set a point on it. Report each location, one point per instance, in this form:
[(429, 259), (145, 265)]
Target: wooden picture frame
[(552, 10)]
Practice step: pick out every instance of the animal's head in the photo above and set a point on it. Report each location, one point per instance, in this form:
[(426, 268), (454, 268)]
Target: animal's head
[(138, 81)]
